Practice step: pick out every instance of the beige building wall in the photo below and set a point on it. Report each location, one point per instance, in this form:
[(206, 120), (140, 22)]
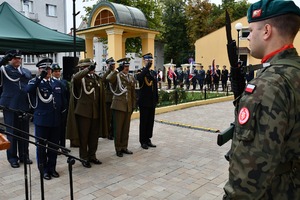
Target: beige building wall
[(213, 46)]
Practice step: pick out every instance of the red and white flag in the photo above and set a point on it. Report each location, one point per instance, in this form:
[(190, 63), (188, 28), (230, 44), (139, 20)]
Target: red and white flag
[(191, 75), (213, 69)]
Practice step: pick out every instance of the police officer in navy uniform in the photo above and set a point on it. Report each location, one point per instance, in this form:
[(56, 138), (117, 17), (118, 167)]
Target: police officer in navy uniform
[(148, 99), (14, 79), (56, 74), (48, 108)]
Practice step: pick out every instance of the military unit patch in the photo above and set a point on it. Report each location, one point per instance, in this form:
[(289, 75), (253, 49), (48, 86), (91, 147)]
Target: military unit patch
[(244, 115)]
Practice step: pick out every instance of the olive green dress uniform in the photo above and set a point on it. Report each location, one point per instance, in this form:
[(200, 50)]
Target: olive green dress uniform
[(108, 101), (122, 106), (86, 117)]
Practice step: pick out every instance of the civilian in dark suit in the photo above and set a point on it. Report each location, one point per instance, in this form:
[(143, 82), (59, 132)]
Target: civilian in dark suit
[(47, 99), (148, 98), (14, 79)]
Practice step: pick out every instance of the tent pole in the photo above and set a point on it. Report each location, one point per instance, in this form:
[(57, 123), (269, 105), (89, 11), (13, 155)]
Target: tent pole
[(74, 28)]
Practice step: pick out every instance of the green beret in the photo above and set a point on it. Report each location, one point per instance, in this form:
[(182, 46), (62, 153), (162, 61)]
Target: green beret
[(265, 9)]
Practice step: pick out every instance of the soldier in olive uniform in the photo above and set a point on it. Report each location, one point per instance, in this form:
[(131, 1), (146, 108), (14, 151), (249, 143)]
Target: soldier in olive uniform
[(265, 150), (123, 104), (86, 117), (148, 99), (110, 66)]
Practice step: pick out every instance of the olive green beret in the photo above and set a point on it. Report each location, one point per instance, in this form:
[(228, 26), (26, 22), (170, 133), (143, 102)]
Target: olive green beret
[(265, 9)]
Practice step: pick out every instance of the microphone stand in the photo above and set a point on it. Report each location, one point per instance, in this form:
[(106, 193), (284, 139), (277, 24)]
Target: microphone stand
[(65, 151)]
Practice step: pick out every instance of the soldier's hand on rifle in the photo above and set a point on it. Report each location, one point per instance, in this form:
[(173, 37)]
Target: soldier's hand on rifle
[(238, 82)]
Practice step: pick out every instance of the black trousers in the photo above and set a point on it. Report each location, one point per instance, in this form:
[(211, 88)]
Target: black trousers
[(146, 124), (17, 147)]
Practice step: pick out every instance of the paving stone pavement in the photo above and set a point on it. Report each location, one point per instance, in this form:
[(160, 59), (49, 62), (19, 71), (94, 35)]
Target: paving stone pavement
[(187, 164)]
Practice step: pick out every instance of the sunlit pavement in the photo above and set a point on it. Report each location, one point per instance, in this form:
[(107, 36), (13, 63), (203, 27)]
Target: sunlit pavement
[(187, 164)]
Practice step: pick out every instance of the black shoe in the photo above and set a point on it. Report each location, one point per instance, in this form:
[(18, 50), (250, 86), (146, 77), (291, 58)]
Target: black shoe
[(119, 154), (47, 176), (95, 161), (54, 174), (144, 146), (28, 161), (151, 145), (86, 164), (126, 151), (14, 164)]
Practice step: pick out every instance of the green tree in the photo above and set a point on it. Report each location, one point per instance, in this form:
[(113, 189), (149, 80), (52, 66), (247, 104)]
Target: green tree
[(177, 46), (205, 17), (198, 25)]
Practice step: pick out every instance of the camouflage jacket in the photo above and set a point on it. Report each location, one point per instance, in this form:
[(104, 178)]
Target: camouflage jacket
[(267, 135)]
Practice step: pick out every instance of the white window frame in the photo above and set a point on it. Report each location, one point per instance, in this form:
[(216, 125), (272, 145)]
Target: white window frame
[(27, 6), (51, 10)]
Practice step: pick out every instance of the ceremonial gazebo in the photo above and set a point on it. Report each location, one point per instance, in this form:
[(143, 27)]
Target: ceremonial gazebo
[(117, 22)]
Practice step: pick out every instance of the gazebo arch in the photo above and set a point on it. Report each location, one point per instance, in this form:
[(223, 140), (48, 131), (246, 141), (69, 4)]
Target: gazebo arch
[(117, 22)]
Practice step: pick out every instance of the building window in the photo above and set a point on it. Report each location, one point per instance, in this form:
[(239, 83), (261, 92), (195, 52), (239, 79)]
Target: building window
[(51, 10), (27, 6), (105, 17), (28, 59)]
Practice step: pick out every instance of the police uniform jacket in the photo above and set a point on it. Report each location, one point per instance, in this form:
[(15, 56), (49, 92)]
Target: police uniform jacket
[(13, 81), (46, 97), (148, 93), (122, 101)]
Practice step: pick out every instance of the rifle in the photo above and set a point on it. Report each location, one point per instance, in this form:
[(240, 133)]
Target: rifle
[(226, 135), (236, 75)]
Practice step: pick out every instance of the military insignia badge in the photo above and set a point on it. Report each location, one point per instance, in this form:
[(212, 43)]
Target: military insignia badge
[(250, 88), (256, 13), (244, 115)]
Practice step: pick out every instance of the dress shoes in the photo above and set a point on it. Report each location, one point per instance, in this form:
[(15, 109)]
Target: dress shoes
[(151, 145), (95, 161), (144, 146), (47, 176), (28, 161), (119, 154), (86, 164), (14, 164), (126, 151), (54, 174)]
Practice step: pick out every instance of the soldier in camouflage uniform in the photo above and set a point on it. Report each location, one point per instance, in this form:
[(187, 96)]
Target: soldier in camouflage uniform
[(265, 151)]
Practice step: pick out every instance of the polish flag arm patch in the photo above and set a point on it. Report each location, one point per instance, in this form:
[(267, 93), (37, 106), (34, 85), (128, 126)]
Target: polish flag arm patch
[(250, 88)]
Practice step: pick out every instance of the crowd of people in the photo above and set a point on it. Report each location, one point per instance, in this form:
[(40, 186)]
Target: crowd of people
[(192, 77), (89, 107)]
